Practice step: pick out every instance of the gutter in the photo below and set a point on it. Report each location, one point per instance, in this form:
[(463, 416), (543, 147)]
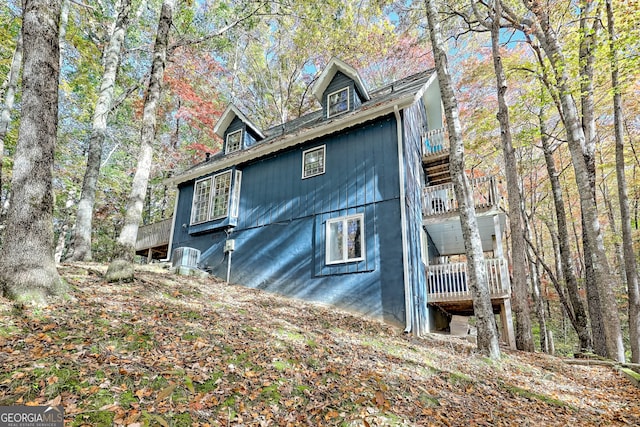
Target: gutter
[(408, 295)]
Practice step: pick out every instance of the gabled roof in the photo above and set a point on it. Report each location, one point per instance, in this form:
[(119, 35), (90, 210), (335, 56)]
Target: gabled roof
[(330, 71), (395, 96), (227, 117)]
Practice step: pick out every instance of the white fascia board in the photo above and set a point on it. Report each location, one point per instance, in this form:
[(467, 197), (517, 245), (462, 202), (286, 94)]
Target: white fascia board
[(227, 117), (330, 71), (303, 135)]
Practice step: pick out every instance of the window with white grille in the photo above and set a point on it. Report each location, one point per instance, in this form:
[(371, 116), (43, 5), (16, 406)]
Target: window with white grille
[(234, 141), (338, 102), (313, 162), (211, 198)]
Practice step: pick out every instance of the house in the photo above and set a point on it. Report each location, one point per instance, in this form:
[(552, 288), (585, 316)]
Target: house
[(350, 205)]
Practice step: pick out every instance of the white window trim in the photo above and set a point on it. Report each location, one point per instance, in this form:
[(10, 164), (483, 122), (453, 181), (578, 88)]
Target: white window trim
[(193, 201), (213, 182), (210, 217), (329, 115), (324, 160), (235, 195), (345, 259), (226, 146)]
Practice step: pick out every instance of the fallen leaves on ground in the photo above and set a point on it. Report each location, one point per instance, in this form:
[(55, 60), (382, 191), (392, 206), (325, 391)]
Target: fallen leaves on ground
[(179, 351)]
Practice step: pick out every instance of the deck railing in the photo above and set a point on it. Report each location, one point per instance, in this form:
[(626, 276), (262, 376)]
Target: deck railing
[(436, 142), (154, 235), (441, 199), (448, 282)]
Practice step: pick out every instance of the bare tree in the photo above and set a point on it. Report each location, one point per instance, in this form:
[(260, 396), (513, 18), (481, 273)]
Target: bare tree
[(488, 342), (520, 293), (9, 99), (630, 265), (538, 22), (576, 311), (81, 249), (27, 267), (121, 268)]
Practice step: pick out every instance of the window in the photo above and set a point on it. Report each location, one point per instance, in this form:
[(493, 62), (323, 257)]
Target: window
[(235, 199), (313, 161), (344, 239), (211, 198), (201, 196), (338, 102), (221, 188), (234, 141)]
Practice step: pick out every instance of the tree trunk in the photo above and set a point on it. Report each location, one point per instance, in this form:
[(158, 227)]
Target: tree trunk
[(9, 99), (586, 60), (81, 249), (488, 342), (520, 294), (568, 271), (539, 306), (27, 267), (611, 219), (630, 264), (121, 268), (604, 280)]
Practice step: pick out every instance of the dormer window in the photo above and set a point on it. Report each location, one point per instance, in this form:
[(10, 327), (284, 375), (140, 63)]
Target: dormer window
[(338, 102), (234, 141)]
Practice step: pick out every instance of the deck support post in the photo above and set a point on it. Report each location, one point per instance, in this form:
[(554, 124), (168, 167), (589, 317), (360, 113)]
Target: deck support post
[(497, 238), (506, 324)]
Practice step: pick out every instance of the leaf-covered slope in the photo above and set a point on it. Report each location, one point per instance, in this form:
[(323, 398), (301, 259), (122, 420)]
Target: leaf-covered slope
[(172, 350)]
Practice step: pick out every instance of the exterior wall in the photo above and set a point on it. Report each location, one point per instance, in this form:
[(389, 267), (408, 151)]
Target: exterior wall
[(183, 218), (248, 138), (340, 81), (280, 232), (433, 106), (432, 248), (414, 122)]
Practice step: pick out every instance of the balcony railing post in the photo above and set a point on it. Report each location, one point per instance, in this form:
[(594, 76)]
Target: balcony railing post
[(440, 199), (448, 282), (435, 142)]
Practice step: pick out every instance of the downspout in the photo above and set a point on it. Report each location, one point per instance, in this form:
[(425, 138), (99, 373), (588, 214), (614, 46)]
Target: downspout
[(173, 227), (408, 295)]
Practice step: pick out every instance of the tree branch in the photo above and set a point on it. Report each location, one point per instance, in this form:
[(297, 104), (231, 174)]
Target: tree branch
[(217, 33)]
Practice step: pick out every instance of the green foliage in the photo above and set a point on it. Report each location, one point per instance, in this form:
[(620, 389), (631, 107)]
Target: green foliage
[(518, 391), (97, 418)]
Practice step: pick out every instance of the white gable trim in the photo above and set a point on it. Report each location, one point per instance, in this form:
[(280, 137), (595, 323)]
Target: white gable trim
[(331, 69), (227, 117)]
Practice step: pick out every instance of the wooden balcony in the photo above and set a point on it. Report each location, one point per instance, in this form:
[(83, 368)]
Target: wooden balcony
[(436, 143), (448, 282), (153, 239), (435, 156), (441, 199)]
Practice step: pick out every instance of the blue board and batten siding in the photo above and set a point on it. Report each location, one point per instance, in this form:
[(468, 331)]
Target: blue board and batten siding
[(280, 231), (249, 137), (414, 124), (340, 81)]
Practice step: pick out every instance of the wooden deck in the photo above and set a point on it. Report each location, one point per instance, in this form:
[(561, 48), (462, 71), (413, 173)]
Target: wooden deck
[(448, 282), (153, 239), (436, 144), (441, 199)]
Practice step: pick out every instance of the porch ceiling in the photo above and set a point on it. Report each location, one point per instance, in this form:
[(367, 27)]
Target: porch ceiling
[(447, 232)]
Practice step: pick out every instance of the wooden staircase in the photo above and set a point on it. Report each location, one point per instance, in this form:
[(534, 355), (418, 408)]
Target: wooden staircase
[(436, 169), (435, 158)]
